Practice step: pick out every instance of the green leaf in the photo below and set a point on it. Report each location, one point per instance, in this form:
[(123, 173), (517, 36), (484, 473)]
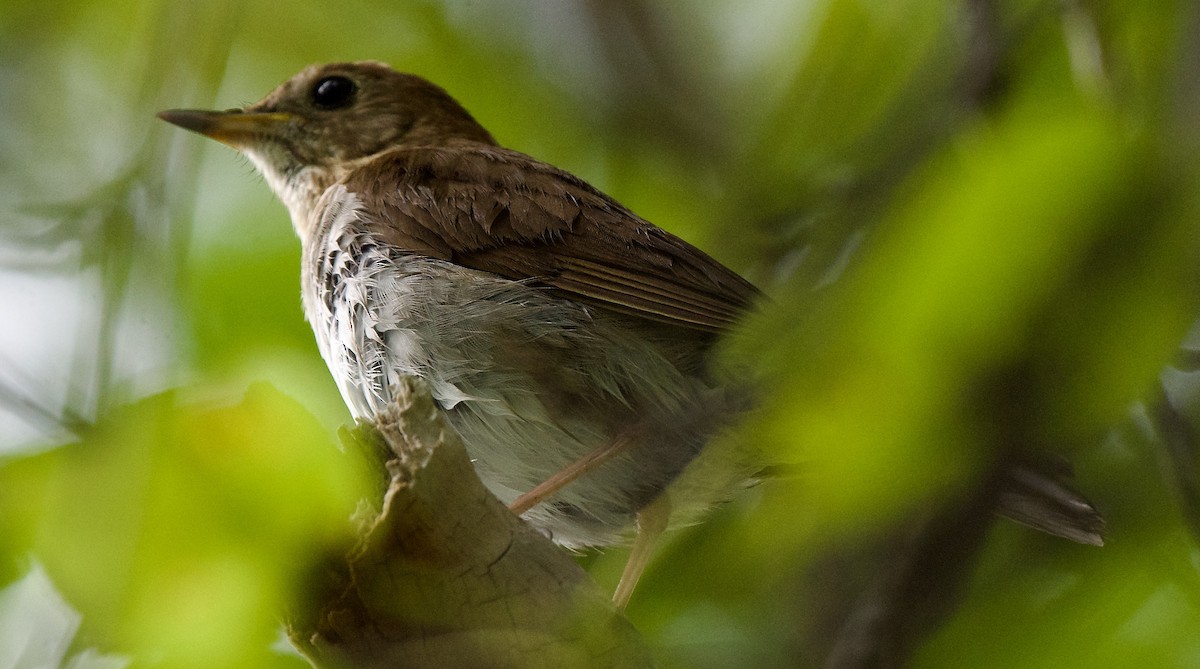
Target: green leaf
[(181, 531)]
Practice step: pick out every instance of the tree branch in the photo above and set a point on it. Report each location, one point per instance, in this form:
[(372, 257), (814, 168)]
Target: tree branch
[(445, 575)]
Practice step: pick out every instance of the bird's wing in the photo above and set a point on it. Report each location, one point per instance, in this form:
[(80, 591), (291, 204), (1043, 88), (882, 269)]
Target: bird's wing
[(500, 211)]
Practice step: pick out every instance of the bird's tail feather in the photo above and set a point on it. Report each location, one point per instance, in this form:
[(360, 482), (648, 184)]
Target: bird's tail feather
[(1044, 501)]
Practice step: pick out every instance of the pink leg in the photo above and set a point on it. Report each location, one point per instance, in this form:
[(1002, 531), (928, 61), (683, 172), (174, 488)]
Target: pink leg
[(571, 472)]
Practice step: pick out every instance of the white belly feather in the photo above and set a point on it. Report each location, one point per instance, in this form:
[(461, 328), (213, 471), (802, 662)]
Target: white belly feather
[(379, 314)]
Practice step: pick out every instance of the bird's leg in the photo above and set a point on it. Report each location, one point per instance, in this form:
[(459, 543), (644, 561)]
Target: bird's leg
[(651, 522), (651, 519), (567, 474)]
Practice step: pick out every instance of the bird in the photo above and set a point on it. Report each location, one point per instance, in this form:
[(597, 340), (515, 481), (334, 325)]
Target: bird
[(567, 340)]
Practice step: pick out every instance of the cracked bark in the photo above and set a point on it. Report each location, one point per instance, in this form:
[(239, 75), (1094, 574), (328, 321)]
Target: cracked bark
[(444, 575)]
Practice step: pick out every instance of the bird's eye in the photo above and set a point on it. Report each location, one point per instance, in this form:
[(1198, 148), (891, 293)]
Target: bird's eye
[(333, 92)]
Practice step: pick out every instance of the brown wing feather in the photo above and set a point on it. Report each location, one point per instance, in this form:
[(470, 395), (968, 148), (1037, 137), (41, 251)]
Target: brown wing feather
[(500, 211)]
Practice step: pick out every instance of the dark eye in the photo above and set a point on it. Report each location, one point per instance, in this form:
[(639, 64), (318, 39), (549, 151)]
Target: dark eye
[(333, 92)]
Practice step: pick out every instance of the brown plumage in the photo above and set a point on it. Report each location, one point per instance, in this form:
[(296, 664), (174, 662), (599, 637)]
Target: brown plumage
[(502, 212)]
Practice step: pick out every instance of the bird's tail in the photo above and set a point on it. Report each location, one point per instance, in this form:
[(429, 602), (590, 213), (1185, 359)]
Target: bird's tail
[(1042, 499)]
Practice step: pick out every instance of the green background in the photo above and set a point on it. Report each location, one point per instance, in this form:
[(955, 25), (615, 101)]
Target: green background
[(976, 222)]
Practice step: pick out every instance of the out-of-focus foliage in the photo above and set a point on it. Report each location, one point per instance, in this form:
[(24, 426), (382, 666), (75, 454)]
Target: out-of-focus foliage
[(185, 525), (977, 222)]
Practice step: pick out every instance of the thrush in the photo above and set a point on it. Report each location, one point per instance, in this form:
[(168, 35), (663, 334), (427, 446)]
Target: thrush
[(565, 338)]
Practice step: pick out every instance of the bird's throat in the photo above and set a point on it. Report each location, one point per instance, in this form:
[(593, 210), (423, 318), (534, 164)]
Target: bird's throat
[(301, 187)]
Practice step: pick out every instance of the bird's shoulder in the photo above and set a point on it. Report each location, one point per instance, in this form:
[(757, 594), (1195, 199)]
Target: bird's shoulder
[(500, 211)]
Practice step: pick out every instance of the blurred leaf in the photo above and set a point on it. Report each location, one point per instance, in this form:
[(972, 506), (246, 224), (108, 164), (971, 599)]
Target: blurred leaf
[(1016, 249), (183, 528), (842, 112)]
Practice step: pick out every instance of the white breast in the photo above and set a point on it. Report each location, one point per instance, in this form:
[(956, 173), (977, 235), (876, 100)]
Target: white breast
[(500, 357), (370, 308)]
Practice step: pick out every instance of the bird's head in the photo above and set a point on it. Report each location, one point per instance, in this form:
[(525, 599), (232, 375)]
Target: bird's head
[(313, 128)]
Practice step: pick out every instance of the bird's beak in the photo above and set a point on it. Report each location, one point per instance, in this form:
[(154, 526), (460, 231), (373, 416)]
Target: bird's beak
[(235, 127)]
